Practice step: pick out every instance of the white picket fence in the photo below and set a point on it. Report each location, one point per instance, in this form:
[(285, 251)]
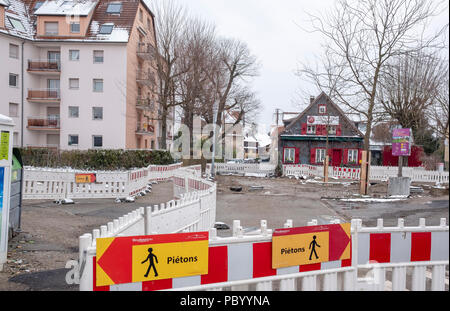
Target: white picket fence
[(194, 211), (380, 173), (245, 168)]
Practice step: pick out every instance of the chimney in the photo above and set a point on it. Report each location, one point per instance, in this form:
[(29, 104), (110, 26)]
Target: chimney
[(311, 99)]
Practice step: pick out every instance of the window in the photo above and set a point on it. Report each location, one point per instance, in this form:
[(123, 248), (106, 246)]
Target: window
[(13, 51), (98, 57), (352, 155), (37, 5), (97, 141), (98, 85), (114, 8), (322, 109), (106, 29), (73, 140), (149, 23), (13, 110), (152, 144), (13, 80), (332, 129), (16, 24), (141, 15), (289, 155), (51, 28), (74, 83), (97, 113), (311, 129), (75, 27), (74, 55), (74, 111), (320, 155)]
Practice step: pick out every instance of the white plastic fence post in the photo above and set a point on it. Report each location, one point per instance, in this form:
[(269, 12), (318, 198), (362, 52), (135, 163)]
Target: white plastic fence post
[(264, 227), (309, 283), (380, 223), (398, 278), (147, 219), (264, 286), (236, 225), (419, 278), (438, 278), (85, 276), (330, 282), (422, 222)]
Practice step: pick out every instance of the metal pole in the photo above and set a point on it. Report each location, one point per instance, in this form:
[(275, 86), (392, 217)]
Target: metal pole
[(213, 169)]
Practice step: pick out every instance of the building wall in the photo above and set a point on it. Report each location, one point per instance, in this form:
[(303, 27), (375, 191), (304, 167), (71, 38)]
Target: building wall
[(10, 94), (63, 25), (135, 116), (2, 17), (112, 99)]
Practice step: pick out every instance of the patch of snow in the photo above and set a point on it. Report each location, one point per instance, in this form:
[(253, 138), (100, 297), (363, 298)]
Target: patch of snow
[(373, 200), (64, 7)]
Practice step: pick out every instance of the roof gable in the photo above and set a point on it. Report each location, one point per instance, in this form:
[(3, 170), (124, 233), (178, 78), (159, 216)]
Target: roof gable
[(315, 103)]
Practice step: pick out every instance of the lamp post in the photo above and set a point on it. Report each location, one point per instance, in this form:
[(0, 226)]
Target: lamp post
[(213, 168)]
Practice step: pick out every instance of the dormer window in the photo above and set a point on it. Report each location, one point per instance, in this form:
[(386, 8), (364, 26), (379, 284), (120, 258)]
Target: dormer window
[(106, 29), (37, 5), (322, 109), (114, 8), (51, 28), (16, 24)]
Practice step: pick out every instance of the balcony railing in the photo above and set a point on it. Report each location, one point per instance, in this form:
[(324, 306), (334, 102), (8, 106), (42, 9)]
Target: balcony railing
[(146, 50), (145, 129), (145, 77), (44, 123), (44, 65), (44, 94), (145, 103)]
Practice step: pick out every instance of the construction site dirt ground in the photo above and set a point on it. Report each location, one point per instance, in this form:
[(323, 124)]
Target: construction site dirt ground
[(49, 238)]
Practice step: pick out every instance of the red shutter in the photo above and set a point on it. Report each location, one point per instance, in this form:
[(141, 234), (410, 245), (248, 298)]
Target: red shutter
[(359, 156), (304, 125), (297, 155), (313, 156), (339, 130), (345, 160)]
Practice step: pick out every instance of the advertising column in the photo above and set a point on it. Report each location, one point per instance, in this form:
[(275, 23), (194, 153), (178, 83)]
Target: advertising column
[(6, 130)]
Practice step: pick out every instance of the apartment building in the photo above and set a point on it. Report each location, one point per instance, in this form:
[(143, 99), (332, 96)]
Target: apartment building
[(78, 74)]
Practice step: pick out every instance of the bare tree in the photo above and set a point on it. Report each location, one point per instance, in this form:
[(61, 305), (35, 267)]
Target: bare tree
[(410, 86), (439, 112), (170, 31), (360, 38)]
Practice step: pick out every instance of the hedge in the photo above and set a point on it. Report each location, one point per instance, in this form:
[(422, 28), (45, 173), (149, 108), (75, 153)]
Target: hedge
[(94, 159)]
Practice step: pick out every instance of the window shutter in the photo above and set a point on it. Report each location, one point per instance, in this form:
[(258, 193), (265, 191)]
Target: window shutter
[(339, 130), (345, 160), (297, 156), (359, 156), (304, 125), (313, 156)]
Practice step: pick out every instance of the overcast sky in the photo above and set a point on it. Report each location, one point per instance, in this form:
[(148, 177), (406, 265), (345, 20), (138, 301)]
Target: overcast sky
[(270, 28)]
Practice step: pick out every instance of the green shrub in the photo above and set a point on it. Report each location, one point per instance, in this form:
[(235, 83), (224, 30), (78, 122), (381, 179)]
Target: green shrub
[(95, 159)]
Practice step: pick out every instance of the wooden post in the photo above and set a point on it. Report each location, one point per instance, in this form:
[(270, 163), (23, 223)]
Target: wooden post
[(325, 168), (362, 189)]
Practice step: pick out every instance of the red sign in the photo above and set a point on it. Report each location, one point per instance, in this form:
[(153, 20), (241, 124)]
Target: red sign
[(311, 120)]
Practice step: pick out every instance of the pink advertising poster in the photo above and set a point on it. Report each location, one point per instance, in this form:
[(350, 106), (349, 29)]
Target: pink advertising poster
[(401, 142)]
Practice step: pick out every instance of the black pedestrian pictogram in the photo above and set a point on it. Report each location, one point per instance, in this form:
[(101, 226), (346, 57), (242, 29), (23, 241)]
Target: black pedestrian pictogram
[(313, 244), (151, 262)]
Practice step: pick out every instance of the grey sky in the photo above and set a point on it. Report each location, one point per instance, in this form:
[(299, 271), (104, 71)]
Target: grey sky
[(271, 32)]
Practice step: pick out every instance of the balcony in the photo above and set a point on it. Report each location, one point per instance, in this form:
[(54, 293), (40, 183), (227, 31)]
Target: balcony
[(44, 67), (145, 77), (44, 96), (145, 103), (146, 51), (145, 129), (44, 123)]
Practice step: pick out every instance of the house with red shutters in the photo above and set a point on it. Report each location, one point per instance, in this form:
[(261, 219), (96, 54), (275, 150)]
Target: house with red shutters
[(304, 138)]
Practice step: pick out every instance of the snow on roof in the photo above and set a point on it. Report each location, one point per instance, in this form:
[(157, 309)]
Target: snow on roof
[(4, 2), (118, 34), (263, 139), (17, 21), (66, 7)]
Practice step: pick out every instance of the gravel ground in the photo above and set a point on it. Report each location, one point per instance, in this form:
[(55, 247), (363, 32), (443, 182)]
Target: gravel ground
[(49, 237)]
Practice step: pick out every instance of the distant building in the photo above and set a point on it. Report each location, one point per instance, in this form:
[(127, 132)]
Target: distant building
[(303, 140), (77, 74)]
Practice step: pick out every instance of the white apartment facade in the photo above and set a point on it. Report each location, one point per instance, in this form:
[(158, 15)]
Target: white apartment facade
[(78, 74)]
